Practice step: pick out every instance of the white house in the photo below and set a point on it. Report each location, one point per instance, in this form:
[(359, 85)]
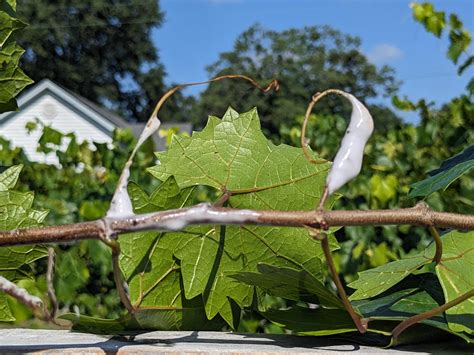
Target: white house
[(66, 112)]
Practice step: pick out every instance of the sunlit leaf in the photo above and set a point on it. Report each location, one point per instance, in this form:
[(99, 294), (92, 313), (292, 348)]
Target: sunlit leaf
[(16, 212), (233, 155)]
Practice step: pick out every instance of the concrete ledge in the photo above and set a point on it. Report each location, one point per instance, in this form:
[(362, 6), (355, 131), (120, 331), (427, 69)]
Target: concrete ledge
[(63, 341)]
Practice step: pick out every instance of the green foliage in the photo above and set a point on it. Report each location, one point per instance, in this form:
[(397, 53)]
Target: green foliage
[(79, 191), (435, 22), (16, 212), (12, 77), (449, 171), (458, 256), (385, 295), (66, 39)]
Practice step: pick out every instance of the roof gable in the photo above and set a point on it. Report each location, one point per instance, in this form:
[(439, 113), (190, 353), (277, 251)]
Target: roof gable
[(102, 118)]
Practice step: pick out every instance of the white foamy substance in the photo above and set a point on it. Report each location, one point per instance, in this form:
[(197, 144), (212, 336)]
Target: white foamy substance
[(202, 214), (348, 161), (121, 205)]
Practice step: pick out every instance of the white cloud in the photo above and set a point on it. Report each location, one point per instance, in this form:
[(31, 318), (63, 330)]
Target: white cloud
[(383, 53)]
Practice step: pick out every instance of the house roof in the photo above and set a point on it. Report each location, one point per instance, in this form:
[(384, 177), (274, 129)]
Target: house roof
[(99, 116)]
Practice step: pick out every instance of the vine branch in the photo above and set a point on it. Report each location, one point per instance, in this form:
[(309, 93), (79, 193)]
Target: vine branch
[(178, 219)]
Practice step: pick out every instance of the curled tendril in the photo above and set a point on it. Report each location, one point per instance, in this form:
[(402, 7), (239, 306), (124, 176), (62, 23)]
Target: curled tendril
[(274, 85), (304, 142)]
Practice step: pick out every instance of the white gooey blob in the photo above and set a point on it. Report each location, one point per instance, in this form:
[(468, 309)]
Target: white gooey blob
[(121, 205), (200, 213), (348, 161)]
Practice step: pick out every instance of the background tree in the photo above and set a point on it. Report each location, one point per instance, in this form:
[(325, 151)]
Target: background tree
[(304, 61), (100, 49)]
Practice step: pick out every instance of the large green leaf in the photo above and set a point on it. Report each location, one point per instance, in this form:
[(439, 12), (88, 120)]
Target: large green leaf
[(16, 212), (449, 171), (296, 285), (233, 156)]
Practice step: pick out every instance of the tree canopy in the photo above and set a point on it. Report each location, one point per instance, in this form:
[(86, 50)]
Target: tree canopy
[(304, 61), (99, 49)]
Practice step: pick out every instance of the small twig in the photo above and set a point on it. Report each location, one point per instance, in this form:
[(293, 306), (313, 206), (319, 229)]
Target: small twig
[(360, 322), (438, 243), (428, 314), (32, 302), (423, 207), (50, 284), (324, 197), (223, 198), (303, 140), (120, 283)]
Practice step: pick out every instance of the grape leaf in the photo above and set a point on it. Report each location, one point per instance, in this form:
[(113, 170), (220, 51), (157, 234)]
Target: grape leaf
[(458, 256), (414, 295), (449, 171), (9, 177), (5, 311), (232, 155), (9, 23), (153, 273), (455, 273), (171, 318), (320, 321), (16, 212), (12, 77), (373, 282), (291, 284)]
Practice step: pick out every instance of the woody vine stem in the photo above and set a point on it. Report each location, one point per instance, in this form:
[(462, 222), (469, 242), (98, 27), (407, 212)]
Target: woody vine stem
[(119, 221)]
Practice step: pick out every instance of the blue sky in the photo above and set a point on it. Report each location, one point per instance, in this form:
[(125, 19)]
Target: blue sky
[(196, 31)]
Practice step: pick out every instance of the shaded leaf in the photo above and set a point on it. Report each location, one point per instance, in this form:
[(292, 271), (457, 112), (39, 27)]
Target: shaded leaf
[(415, 295), (467, 63), (152, 271), (449, 171), (458, 256), (307, 321), (296, 285), (170, 318), (466, 155)]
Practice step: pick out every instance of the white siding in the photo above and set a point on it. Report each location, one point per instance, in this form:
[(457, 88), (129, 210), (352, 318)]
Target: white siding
[(55, 114)]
